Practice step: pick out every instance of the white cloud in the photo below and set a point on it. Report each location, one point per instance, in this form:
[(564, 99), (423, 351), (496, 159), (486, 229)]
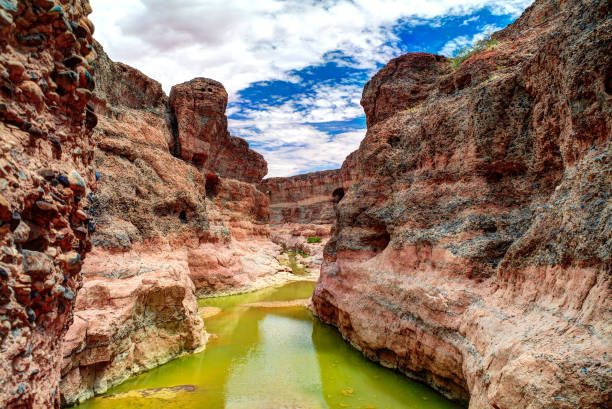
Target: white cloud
[(286, 137), (239, 42), (470, 20), (460, 43), (321, 152)]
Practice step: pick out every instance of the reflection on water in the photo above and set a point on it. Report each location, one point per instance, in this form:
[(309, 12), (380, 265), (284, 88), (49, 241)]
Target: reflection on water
[(270, 358)]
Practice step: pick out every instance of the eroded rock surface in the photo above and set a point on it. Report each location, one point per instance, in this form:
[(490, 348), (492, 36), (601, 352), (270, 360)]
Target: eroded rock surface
[(202, 136), (302, 207), (303, 199), (166, 230), (124, 326), (473, 250), (45, 179)]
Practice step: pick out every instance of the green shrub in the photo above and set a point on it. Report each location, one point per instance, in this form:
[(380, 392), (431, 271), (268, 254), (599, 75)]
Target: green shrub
[(314, 240), (293, 262), (466, 52)]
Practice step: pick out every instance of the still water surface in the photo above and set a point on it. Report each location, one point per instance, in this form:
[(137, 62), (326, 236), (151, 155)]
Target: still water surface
[(270, 358)]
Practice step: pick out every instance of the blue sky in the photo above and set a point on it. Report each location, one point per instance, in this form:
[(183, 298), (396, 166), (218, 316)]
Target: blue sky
[(294, 69)]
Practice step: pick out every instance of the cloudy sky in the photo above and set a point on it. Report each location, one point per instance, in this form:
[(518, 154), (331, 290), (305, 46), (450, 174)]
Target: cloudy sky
[(294, 69)]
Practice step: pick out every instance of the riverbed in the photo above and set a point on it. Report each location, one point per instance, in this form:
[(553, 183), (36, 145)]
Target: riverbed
[(269, 355)]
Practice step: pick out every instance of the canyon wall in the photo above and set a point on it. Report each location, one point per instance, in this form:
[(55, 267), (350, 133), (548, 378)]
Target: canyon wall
[(135, 310), (45, 178), (473, 249), (302, 207), (202, 136), (168, 227), (303, 199)]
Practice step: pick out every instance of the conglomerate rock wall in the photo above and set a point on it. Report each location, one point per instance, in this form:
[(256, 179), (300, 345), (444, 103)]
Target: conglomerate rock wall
[(46, 82), (473, 248)]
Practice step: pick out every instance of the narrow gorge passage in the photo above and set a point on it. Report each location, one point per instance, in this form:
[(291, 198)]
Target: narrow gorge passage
[(269, 357), (443, 170)]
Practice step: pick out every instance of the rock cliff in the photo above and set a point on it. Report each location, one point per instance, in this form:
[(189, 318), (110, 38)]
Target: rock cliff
[(304, 199), (136, 310), (45, 178), (302, 207), (167, 229), (473, 249), (202, 136)]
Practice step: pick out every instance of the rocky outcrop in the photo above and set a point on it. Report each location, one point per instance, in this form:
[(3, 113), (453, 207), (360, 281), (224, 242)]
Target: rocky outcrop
[(473, 249), (45, 180), (302, 207), (202, 136), (124, 326), (137, 309), (303, 199), (166, 230), (150, 201)]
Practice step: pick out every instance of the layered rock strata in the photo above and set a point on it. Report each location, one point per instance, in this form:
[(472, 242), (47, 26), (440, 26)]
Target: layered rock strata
[(128, 325), (302, 207), (473, 249), (166, 230), (45, 180), (303, 199)]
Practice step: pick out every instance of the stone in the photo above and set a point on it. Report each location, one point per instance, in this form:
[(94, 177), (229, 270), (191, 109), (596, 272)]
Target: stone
[(37, 263), (32, 92), (46, 206), (471, 249), (21, 233), (6, 20), (67, 80), (9, 5), (63, 180), (5, 209), (76, 182), (16, 70), (203, 138)]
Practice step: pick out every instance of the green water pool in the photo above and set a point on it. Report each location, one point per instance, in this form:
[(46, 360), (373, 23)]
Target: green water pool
[(270, 358)]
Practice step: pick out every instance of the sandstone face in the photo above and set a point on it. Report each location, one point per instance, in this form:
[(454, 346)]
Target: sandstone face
[(302, 206), (304, 199), (166, 230), (202, 135), (124, 326), (473, 249), (45, 178)]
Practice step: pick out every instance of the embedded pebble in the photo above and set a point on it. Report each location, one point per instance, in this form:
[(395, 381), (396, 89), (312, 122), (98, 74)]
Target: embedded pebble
[(76, 182)]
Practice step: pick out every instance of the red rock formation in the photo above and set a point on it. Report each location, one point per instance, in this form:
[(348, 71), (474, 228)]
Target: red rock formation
[(165, 229), (202, 135), (473, 249), (304, 199), (302, 206), (124, 326), (45, 177)]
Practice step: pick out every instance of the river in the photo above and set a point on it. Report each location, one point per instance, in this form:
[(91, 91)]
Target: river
[(270, 358)]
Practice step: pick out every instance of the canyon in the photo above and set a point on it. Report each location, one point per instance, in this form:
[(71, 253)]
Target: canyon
[(472, 250), (177, 217), (466, 243), (302, 208)]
